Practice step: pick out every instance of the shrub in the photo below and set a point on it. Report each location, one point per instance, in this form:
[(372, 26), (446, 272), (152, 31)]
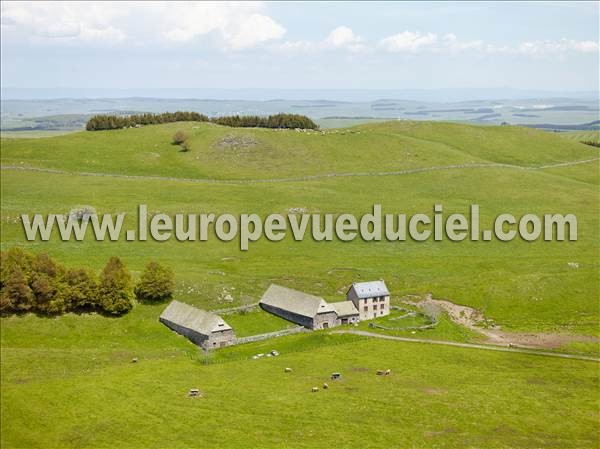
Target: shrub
[(116, 288), (16, 294), (156, 284), (15, 269), (180, 137), (80, 289)]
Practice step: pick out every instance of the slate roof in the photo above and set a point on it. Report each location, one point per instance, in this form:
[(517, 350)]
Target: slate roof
[(370, 289), (190, 317), (344, 308), (294, 301)]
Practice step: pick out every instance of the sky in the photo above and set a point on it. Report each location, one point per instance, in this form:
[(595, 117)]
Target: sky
[(284, 45)]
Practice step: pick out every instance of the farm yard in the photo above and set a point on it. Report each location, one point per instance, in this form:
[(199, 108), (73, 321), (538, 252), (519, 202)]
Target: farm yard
[(72, 375)]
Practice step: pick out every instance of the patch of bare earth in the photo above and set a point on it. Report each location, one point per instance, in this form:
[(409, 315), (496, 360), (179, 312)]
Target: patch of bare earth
[(475, 320), (239, 144)]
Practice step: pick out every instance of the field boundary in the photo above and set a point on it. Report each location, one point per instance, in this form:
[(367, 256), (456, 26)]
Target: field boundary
[(410, 171)]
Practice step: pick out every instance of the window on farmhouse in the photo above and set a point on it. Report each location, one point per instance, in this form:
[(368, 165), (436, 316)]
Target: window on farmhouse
[(366, 309)]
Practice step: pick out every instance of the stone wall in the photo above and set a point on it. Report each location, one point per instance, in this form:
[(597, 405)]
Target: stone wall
[(259, 337), (235, 309)]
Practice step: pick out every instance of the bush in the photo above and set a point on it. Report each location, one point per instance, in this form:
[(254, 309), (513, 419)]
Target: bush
[(80, 289), (156, 284), (116, 288), (179, 137)]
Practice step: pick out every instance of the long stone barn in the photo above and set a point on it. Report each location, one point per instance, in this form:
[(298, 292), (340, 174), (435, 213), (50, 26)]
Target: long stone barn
[(306, 310), (205, 329)]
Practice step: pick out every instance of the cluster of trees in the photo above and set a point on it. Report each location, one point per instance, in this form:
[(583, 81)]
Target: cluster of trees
[(37, 283), (593, 143), (272, 121), (100, 122)]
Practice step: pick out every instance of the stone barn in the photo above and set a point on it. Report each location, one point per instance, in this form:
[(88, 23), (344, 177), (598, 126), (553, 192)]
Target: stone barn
[(372, 299), (203, 328), (346, 312), (298, 307)]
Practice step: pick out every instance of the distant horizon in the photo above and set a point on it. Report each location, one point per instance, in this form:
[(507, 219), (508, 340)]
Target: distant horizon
[(443, 94)]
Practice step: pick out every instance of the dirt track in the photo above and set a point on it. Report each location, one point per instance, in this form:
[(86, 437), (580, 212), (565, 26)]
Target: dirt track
[(469, 345), (473, 319)]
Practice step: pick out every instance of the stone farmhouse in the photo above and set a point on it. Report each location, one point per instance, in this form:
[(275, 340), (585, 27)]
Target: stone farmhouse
[(364, 301), (298, 307), (203, 328), (371, 299)]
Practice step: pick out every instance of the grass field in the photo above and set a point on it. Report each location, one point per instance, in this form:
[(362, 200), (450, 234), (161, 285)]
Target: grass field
[(84, 392), (72, 375)]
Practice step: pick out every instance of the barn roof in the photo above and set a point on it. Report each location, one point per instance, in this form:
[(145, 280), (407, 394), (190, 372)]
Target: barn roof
[(190, 317), (344, 308), (294, 301), (370, 289)]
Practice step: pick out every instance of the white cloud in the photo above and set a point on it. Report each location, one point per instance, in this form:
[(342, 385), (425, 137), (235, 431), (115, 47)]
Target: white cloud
[(344, 37), (340, 38), (62, 20), (415, 42), (451, 42), (234, 26), (229, 26), (237, 25), (252, 30), (546, 47), (409, 41)]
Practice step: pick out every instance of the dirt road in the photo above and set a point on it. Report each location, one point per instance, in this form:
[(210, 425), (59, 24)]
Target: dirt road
[(469, 345)]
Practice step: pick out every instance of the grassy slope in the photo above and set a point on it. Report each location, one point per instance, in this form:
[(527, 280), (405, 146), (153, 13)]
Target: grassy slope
[(522, 285), (89, 393), (86, 393), (379, 147)]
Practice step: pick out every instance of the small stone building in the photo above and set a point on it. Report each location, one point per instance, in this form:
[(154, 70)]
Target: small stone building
[(372, 299), (301, 308), (346, 312), (203, 328)]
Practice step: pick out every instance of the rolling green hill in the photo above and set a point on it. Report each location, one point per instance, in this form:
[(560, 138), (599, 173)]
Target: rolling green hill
[(71, 375)]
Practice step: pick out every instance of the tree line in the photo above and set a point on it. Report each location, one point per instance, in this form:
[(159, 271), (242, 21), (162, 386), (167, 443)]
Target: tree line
[(281, 121), (112, 121), (37, 283)]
